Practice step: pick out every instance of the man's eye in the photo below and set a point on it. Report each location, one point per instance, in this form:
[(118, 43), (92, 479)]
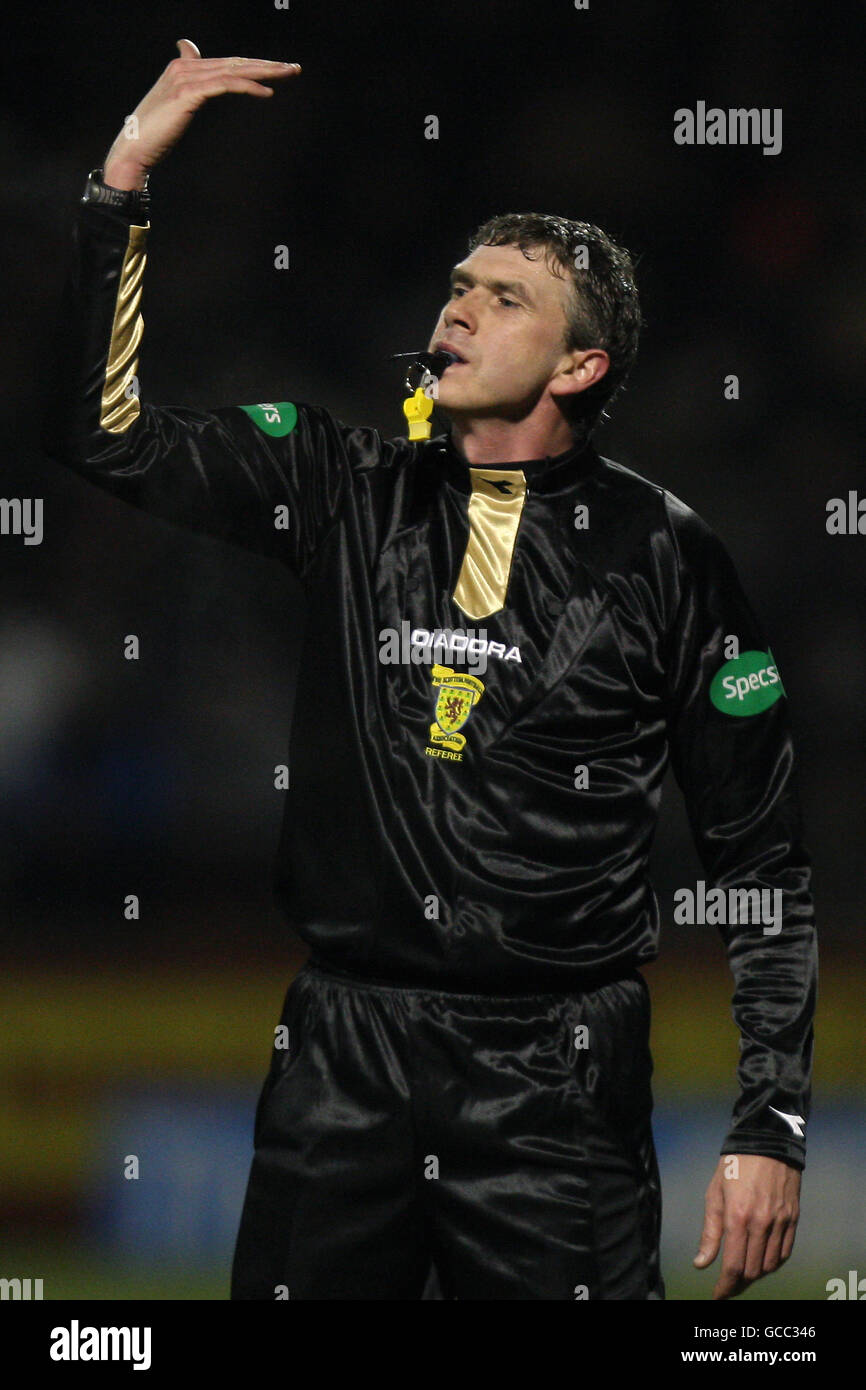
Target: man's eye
[(459, 290)]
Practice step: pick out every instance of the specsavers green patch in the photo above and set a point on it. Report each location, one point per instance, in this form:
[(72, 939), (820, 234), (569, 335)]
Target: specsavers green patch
[(746, 685), (276, 419)]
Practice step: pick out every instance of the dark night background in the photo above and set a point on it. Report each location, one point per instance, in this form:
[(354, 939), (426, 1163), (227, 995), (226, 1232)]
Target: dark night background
[(155, 776)]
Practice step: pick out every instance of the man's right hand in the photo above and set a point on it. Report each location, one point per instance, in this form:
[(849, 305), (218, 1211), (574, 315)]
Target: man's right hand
[(163, 115)]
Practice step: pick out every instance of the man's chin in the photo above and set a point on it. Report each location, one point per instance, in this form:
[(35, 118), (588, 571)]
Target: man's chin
[(455, 413), (454, 400), (464, 411)]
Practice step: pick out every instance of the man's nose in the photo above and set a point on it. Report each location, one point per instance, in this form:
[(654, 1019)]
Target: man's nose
[(461, 313)]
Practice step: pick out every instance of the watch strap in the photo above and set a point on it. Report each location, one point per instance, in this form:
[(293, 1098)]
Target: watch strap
[(134, 202)]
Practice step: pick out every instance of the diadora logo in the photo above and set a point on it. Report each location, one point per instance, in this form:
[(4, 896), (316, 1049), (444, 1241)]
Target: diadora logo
[(501, 485), (456, 696), (459, 646), (795, 1121)]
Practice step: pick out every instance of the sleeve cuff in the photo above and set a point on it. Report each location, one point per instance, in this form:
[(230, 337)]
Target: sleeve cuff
[(788, 1151)]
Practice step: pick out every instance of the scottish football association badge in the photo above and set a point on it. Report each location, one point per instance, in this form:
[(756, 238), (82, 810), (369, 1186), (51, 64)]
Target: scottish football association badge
[(455, 697)]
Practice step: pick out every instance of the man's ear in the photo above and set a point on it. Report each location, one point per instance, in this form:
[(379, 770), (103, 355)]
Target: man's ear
[(580, 369)]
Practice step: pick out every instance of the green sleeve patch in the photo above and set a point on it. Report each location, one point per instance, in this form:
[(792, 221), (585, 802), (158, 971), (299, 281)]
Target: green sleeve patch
[(275, 420), (746, 685)]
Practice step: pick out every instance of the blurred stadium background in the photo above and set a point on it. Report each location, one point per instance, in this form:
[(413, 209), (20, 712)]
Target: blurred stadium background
[(152, 1037)]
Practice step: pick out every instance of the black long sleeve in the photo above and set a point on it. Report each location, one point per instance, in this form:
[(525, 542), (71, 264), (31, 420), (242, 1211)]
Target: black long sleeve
[(733, 757), (269, 477)]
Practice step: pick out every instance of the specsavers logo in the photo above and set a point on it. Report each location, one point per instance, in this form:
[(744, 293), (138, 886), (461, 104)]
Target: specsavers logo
[(748, 684), (456, 695), (275, 420)]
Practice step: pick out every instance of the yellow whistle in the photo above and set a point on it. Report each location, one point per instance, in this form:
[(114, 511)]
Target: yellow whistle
[(418, 408)]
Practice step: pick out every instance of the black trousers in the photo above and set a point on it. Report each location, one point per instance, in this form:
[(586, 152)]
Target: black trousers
[(485, 1147)]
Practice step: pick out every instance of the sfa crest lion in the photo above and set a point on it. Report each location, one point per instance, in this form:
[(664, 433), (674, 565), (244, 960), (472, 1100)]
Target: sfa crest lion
[(455, 697)]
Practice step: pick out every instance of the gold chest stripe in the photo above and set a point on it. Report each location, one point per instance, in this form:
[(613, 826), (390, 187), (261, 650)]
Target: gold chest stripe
[(494, 516), (118, 410)]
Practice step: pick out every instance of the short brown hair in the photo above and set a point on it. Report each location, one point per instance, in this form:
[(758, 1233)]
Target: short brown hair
[(605, 309)]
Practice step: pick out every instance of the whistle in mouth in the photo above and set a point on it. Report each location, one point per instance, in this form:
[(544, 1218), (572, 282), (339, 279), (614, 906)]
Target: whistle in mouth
[(418, 407)]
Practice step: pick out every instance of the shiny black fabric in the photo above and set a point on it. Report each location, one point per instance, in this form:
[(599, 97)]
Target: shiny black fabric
[(403, 1128), (492, 875)]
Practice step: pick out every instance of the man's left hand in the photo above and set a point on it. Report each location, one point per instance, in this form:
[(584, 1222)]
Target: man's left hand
[(754, 1204)]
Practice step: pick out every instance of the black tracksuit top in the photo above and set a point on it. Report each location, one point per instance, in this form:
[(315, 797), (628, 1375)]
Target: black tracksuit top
[(498, 663)]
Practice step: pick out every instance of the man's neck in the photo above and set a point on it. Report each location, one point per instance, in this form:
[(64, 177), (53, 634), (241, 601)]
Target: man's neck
[(487, 442)]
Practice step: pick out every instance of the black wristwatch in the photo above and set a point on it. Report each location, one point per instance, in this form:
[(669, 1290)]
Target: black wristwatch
[(134, 202)]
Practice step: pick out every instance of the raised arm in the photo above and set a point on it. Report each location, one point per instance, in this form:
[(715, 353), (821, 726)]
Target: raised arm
[(269, 477), (162, 116)]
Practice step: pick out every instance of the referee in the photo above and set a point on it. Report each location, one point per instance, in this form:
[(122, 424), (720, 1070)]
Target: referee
[(513, 636)]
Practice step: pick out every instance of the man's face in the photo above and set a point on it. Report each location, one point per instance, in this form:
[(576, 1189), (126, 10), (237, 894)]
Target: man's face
[(507, 317)]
